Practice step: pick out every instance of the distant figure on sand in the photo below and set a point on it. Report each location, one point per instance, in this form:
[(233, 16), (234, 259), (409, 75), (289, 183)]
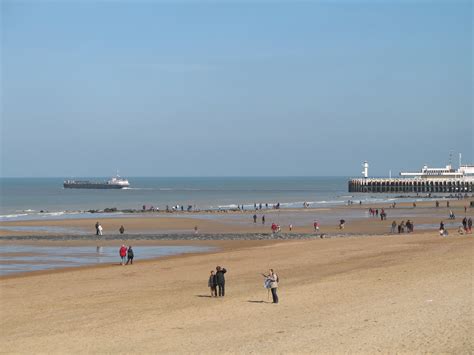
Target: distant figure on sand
[(271, 282), (442, 230), (254, 218), (220, 280), (341, 224), (121, 229), (100, 229), (394, 226), (195, 229), (97, 228), (123, 254), (212, 283), (316, 226), (263, 219), (130, 255)]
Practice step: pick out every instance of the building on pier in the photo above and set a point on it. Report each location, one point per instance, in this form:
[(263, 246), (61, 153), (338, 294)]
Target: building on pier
[(428, 180)]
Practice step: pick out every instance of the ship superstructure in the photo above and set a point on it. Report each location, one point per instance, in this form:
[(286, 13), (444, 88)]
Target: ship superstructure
[(113, 183), (463, 172), (427, 180)]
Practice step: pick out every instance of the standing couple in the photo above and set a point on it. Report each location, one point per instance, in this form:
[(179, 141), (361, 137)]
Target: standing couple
[(217, 281)]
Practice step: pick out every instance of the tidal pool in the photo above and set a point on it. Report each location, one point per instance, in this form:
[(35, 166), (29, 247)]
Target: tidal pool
[(26, 258)]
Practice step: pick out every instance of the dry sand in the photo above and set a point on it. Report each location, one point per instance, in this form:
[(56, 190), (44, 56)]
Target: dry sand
[(408, 293)]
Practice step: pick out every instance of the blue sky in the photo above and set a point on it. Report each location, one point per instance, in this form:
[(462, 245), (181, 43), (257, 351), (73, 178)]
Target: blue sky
[(235, 88)]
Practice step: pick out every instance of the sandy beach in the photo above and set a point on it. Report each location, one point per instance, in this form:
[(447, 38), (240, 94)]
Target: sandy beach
[(356, 290), (374, 294), (357, 218)]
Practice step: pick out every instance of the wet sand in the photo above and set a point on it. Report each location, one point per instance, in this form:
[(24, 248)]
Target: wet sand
[(358, 221)]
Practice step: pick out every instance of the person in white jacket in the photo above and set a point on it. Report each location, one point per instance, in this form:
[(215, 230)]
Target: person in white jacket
[(271, 282)]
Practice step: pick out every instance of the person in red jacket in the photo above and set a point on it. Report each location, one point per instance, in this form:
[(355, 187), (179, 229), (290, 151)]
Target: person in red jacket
[(123, 253)]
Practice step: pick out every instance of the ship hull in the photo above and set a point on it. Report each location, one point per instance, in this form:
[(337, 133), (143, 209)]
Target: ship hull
[(93, 186)]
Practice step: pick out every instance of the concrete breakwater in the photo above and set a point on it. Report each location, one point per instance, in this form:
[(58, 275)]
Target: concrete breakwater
[(388, 185)]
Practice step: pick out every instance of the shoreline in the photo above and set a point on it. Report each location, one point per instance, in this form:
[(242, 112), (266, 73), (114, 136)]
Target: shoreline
[(113, 212), (425, 214), (235, 227)]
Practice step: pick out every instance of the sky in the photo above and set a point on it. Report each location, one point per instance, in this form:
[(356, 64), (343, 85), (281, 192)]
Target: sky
[(244, 88)]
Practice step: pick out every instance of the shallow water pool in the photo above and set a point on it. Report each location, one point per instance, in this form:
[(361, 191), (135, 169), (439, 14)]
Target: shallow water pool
[(27, 258)]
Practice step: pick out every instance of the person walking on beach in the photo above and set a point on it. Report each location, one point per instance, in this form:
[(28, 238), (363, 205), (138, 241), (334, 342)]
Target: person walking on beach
[(220, 280), (263, 219), (130, 255), (100, 229), (316, 226), (254, 218), (212, 283), (123, 254), (271, 282), (394, 226), (121, 229), (97, 228), (341, 224), (442, 231)]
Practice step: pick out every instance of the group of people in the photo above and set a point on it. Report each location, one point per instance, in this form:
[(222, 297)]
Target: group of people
[(407, 226), (216, 282), (374, 212), (99, 230), (466, 226), (437, 204), (255, 219), (126, 254), (276, 228)]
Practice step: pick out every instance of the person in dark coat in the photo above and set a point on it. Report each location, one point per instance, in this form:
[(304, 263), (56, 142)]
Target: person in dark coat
[(130, 255), (220, 280), (212, 283)]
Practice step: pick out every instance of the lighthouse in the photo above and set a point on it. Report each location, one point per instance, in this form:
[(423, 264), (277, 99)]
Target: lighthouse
[(365, 172)]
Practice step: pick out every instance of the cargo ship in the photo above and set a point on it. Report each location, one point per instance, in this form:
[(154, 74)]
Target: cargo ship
[(114, 183)]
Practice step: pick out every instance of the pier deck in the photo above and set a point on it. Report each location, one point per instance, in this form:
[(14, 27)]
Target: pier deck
[(388, 185)]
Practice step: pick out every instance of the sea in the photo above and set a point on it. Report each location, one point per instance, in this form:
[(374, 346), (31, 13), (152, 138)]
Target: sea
[(45, 198)]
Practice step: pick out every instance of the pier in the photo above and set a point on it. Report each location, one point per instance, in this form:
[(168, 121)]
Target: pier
[(388, 185)]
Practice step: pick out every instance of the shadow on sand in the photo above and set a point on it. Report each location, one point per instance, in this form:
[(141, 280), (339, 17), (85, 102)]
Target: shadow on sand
[(251, 301), (206, 296)]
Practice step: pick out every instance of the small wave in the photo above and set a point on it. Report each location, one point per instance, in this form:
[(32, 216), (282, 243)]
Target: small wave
[(137, 188), (228, 206), (49, 214), (335, 202), (13, 215)]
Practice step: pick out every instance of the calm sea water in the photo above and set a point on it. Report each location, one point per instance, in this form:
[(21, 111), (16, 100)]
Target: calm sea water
[(24, 198)]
